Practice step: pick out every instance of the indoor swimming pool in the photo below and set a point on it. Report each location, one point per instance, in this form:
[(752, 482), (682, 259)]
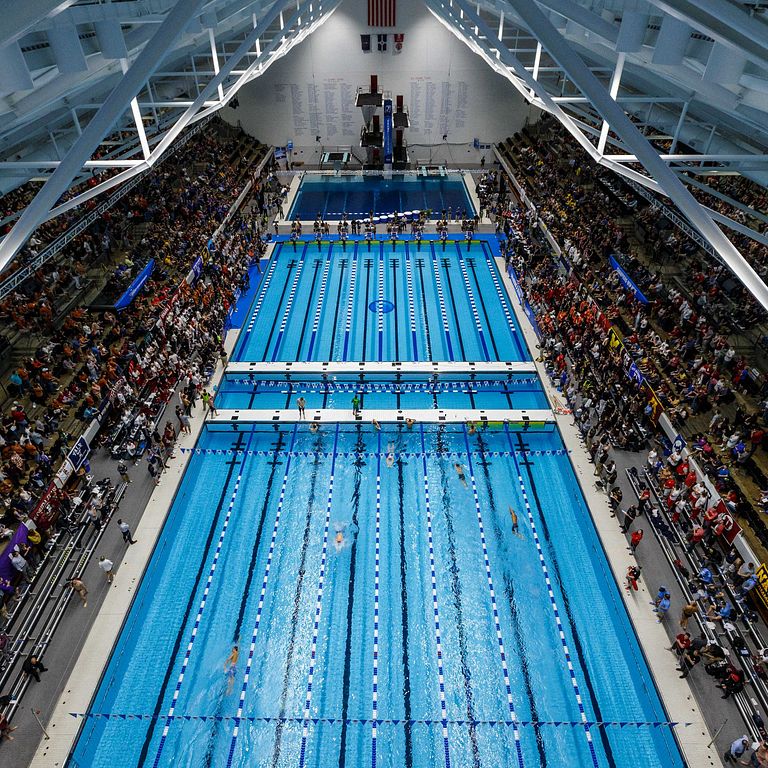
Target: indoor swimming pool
[(357, 196), (355, 570), (376, 301)]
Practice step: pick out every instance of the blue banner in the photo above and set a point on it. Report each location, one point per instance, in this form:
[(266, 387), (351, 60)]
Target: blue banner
[(135, 286), (387, 131), (79, 453), (197, 267), (627, 281)]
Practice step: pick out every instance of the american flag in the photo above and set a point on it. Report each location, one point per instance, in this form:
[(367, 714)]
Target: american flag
[(381, 13)]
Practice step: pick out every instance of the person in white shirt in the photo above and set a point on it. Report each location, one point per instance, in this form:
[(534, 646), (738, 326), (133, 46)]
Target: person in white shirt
[(106, 566)]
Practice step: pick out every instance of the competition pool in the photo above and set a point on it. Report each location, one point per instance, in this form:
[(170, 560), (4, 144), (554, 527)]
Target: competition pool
[(386, 608), (375, 301), (343, 648), (357, 196)]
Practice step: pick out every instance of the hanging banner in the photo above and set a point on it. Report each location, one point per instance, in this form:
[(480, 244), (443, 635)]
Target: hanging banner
[(135, 286), (387, 131), (627, 281)]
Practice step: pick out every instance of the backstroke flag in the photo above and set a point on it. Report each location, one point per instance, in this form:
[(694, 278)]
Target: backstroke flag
[(381, 13)]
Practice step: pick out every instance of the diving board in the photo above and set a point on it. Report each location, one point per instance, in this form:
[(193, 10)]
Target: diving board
[(466, 370)]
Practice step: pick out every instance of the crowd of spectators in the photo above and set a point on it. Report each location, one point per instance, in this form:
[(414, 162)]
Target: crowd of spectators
[(131, 360), (683, 355)]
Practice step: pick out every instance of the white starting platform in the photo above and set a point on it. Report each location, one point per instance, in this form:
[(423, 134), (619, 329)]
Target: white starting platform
[(419, 415), (460, 369)]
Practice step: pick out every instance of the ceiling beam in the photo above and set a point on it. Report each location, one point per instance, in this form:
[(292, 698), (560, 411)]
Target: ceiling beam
[(115, 105)]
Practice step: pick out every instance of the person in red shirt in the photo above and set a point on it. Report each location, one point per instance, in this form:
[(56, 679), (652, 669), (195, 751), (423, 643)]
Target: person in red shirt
[(636, 538)]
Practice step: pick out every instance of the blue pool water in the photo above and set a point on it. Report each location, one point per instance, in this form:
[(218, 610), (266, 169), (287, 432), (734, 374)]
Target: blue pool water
[(276, 496), (331, 196), (432, 635), (379, 302), (491, 391)]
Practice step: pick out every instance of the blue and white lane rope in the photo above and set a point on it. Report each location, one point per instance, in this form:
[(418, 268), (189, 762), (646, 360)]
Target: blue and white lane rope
[(318, 610), (260, 608), (411, 302), (376, 571), (555, 609), (435, 607), (262, 293), (494, 606), (350, 304), (369, 454), (441, 302), (380, 315), (320, 300), (200, 610), (472, 303), (288, 306), (499, 291)]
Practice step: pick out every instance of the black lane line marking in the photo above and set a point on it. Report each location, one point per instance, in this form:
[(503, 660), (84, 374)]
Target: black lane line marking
[(368, 263), (318, 264), (343, 264), (291, 265), (509, 591), (404, 602), (471, 264), (446, 268), (275, 463), (420, 266), (393, 265), (297, 600), (358, 464), (180, 632), (525, 461), (457, 600)]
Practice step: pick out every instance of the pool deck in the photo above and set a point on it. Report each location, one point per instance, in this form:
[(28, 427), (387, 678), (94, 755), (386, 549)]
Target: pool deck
[(694, 739), (345, 415)]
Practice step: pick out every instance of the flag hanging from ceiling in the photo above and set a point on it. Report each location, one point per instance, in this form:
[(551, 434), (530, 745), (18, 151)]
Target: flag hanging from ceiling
[(381, 13)]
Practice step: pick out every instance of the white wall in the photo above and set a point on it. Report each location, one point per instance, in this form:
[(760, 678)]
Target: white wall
[(447, 88)]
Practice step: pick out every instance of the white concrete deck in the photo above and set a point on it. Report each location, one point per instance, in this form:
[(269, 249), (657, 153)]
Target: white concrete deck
[(455, 368), (676, 694), (345, 416), (93, 658)]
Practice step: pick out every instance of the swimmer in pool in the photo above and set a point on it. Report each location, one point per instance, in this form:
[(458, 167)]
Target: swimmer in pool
[(232, 658), (313, 427), (376, 425), (390, 460), (513, 515), (471, 428), (460, 472)]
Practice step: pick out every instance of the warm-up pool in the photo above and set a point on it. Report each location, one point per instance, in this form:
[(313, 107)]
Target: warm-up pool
[(358, 196)]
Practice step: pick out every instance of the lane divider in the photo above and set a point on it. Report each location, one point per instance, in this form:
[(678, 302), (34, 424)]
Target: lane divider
[(494, 606), (260, 608), (556, 612), (435, 609), (389, 721), (318, 610), (472, 304), (390, 386), (441, 302), (377, 563), (411, 302), (288, 305), (350, 304), (380, 314), (199, 616), (262, 293), (320, 300), (371, 454)]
